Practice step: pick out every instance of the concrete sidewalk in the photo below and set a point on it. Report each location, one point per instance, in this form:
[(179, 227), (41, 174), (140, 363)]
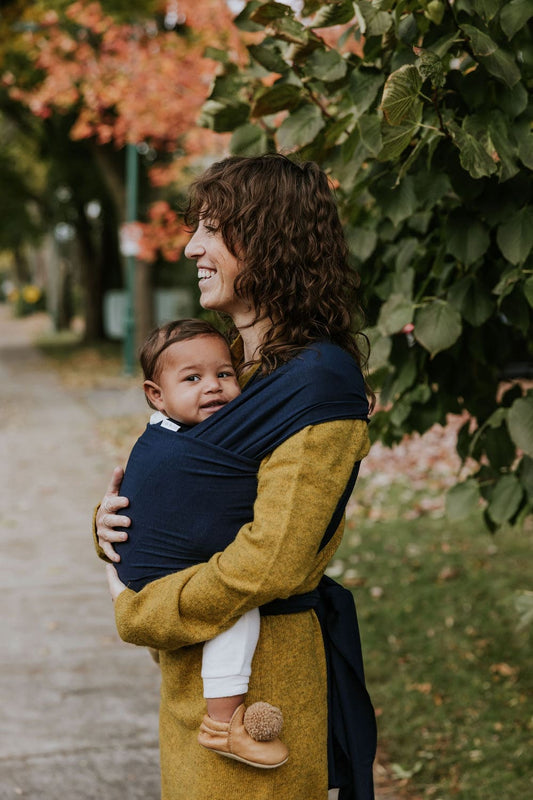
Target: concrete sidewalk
[(78, 706)]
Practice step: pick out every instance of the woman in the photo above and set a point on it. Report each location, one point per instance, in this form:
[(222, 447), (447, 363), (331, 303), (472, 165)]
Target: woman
[(271, 254)]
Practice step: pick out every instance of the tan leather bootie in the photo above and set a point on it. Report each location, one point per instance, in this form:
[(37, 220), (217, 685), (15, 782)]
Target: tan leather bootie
[(231, 739)]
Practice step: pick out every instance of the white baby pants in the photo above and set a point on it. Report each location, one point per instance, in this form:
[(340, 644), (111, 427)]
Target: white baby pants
[(227, 659)]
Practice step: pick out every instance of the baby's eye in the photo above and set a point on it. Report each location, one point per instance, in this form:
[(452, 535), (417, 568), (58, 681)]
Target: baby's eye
[(226, 374), (192, 378)]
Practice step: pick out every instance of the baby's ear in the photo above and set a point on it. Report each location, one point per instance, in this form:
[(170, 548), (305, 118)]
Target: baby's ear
[(153, 395)]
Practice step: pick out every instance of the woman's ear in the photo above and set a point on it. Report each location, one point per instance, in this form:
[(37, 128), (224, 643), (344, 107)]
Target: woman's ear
[(154, 395)]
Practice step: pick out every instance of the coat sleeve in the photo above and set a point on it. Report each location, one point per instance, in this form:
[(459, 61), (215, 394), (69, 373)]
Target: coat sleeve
[(274, 556)]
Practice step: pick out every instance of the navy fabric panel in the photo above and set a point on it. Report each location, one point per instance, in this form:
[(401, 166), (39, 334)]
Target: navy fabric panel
[(165, 478), (320, 384), (352, 733)]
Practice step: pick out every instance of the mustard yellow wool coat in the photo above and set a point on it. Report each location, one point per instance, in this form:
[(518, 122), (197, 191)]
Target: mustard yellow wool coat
[(276, 555)]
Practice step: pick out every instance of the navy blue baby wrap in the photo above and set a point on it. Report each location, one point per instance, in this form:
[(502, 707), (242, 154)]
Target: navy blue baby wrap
[(191, 491)]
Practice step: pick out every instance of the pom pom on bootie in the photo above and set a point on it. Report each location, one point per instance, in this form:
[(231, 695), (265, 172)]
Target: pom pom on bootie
[(263, 722)]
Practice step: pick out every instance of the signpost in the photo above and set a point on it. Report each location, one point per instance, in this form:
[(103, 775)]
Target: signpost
[(129, 247)]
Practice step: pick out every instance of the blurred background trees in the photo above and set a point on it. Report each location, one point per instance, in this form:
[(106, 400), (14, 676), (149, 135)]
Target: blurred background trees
[(80, 82)]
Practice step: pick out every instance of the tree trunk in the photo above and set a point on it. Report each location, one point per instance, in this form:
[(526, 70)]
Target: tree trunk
[(144, 313)]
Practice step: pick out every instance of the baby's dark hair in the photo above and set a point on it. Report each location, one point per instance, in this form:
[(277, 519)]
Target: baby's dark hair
[(160, 338)]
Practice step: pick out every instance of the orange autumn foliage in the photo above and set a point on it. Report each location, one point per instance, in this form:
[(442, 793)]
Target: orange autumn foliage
[(132, 84), (127, 83)]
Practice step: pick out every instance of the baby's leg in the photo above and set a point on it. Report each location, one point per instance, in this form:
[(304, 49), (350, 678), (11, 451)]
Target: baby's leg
[(227, 666), (252, 736)]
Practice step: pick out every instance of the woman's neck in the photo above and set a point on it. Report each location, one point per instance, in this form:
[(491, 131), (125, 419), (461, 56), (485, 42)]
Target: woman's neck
[(252, 337)]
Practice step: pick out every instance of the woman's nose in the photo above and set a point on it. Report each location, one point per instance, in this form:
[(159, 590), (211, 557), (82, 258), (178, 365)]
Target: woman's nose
[(194, 247)]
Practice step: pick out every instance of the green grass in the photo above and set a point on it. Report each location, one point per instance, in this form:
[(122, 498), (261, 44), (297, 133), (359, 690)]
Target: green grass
[(447, 659)]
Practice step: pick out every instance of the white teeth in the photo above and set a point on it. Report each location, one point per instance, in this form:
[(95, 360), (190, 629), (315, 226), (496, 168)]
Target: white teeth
[(204, 273)]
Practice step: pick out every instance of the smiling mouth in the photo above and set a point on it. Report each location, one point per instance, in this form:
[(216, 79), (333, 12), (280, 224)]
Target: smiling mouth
[(214, 404), (205, 274)]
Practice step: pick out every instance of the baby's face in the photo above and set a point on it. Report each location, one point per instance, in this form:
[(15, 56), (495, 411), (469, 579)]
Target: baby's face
[(196, 379)]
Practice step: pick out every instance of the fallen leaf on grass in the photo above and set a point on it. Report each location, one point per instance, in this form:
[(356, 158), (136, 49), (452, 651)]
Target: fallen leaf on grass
[(404, 774), (506, 670), (423, 688), (448, 573)]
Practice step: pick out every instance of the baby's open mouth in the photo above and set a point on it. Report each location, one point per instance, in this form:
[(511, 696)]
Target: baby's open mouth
[(214, 404)]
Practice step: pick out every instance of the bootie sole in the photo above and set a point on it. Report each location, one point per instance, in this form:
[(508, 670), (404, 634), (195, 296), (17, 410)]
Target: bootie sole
[(245, 760)]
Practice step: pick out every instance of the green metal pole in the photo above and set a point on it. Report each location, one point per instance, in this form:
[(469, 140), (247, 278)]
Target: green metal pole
[(132, 179)]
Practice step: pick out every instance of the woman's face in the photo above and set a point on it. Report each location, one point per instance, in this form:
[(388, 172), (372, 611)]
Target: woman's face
[(217, 270)]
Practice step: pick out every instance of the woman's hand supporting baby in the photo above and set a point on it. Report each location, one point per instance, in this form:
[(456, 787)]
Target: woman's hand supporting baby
[(107, 518)]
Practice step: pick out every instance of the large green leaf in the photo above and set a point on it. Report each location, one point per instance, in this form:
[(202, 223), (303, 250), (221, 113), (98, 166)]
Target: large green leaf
[(248, 140), (499, 447), (397, 203), (492, 131), (300, 127), (498, 62), (265, 13), (337, 129), (472, 300), (435, 11), (473, 156), (487, 8), (462, 500), (364, 87), (380, 348), (400, 94), (398, 382), (243, 20), (370, 130), (279, 97), (520, 423), (394, 314), (397, 137), (326, 65), (524, 137), (338, 12), (505, 499), (268, 55), (290, 30), (223, 116), (372, 21), (437, 326), (514, 16), (431, 66), (466, 238), (515, 237), (361, 242), (528, 291), (498, 129), (511, 101)]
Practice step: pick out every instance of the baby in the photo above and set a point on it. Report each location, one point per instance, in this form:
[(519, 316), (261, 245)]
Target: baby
[(188, 376)]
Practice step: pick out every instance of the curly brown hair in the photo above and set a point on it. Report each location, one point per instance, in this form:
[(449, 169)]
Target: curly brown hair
[(280, 219)]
